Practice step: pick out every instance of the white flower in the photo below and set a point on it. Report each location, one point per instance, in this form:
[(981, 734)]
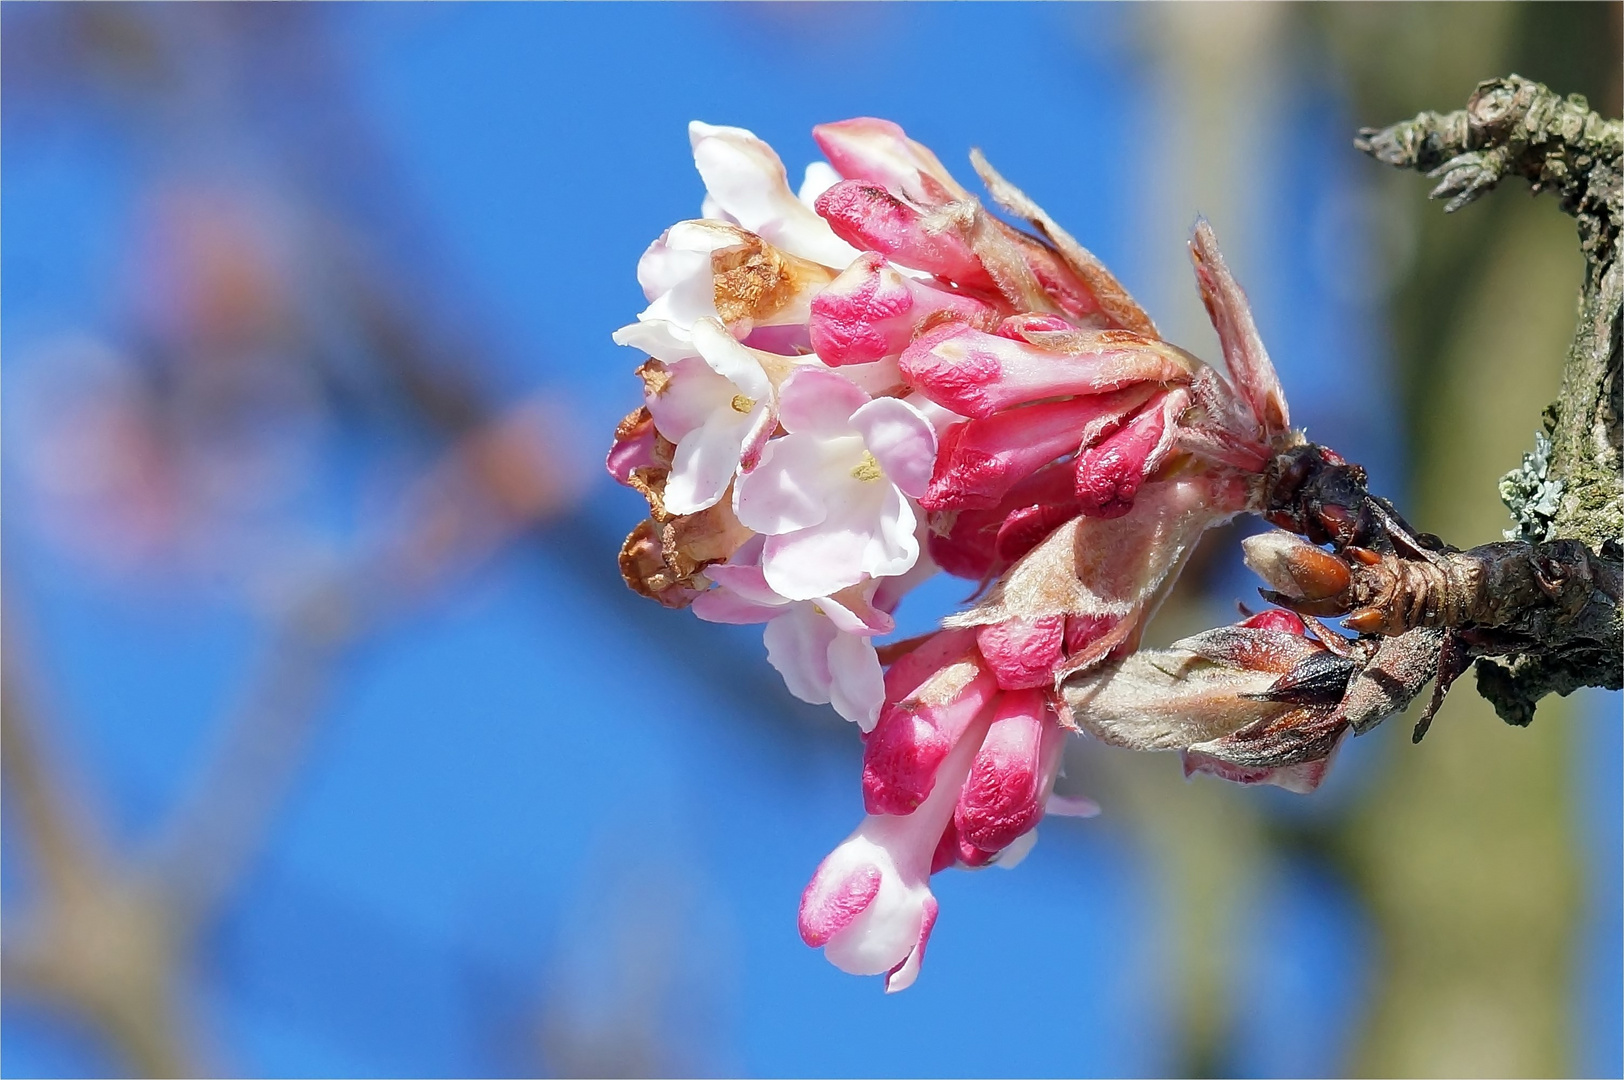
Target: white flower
[(821, 647), (746, 181), (717, 407), (831, 494)]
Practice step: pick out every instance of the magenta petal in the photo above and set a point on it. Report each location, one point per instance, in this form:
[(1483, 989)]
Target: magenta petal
[(862, 315), (830, 904), (871, 311), (1109, 474), (1002, 798)]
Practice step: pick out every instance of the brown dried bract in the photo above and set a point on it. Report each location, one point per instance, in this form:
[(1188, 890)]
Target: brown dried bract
[(755, 280)]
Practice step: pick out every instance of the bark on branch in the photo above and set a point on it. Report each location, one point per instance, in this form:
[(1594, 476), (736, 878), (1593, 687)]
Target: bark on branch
[(1567, 499)]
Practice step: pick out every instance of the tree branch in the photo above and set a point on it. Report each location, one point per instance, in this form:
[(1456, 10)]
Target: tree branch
[(1564, 630)]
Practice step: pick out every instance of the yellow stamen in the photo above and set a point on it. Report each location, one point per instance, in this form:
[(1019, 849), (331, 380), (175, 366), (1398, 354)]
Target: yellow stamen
[(867, 469), (742, 404)]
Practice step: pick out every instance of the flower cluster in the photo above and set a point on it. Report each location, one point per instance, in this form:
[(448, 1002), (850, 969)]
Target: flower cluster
[(854, 385)]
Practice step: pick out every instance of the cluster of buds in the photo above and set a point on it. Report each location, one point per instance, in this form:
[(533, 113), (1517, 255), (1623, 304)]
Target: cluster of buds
[(853, 386)]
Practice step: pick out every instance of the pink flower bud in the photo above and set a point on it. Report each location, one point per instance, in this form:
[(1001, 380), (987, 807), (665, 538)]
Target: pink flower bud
[(909, 671), (1110, 472), (983, 542), (914, 736), (868, 216), (867, 929), (1013, 770), (1023, 653), (880, 152), (977, 374), (871, 312), (979, 461)]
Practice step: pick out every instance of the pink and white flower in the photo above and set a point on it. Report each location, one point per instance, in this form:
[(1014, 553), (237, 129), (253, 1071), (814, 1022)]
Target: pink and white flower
[(717, 407), (822, 647), (869, 905), (832, 494)]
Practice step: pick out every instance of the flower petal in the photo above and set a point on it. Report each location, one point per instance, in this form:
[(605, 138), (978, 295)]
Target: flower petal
[(901, 440), (722, 605), (686, 399), (747, 180), (903, 975), (660, 339), (798, 647), (894, 545), (819, 177), (734, 362), (705, 462), (820, 560), (816, 401), (791, 486), (856, 683)]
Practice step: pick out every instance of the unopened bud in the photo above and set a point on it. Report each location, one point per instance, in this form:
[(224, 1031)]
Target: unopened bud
[(1295, 568)]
